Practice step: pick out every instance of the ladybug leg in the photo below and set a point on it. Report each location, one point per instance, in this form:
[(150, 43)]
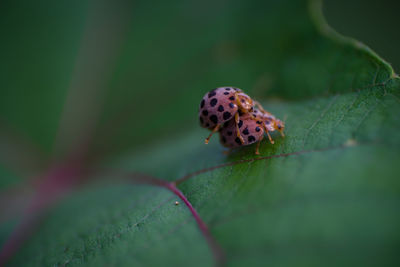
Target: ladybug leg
[(258, 105), (212, 132), (260, 108), (270, 138), (237, 100), (258, 145), (267, 133), (237, 128)]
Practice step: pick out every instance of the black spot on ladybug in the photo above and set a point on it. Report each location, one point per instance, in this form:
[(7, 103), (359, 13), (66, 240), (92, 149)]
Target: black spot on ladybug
[(201, 120), (223, 139), (237, 140), (232, 98), (207, 125), (229, 133), (227, 89), (231, 105), (213, 102), (205, 112), (226, 93), (251, 139), (202, 103), (211, 94), (214, 119), (245, 131), (240, 123), (226, 124), (242, 100), (258, 129), (258, 122), (227, 115), (220, 108)]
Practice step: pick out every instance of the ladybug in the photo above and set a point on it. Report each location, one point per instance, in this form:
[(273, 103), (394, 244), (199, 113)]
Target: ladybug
[(270, 122), (221, 105), (252, 126), (252, 131)]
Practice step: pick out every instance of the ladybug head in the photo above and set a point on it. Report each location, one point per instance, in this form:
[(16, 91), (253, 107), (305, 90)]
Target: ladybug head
[(280, 126), (244, 102)]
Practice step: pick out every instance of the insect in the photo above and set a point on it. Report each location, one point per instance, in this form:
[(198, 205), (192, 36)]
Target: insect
[(270, 122), (253, 127), (221, 105)]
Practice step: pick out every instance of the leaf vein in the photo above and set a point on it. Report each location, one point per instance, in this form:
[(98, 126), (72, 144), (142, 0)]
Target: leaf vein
[(319, 118)]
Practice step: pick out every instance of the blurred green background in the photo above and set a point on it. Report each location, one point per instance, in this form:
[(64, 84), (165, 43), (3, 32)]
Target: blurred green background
[(155, 59), (375, 23)]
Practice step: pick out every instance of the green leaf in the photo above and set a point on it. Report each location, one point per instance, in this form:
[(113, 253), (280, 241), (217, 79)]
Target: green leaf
[(118, 225), (327, 194)]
